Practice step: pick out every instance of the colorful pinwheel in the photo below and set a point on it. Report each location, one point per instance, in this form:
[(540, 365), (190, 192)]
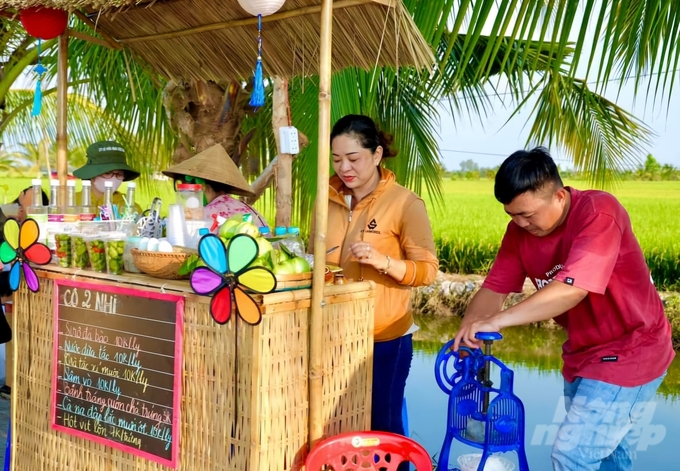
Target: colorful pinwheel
[(227, 276), (20, 246)]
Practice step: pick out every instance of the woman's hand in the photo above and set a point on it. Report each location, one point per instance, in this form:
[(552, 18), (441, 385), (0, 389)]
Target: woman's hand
[(366, 254)]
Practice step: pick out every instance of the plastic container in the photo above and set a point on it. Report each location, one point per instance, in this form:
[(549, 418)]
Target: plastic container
[(128, 260), (115, 250), (96, 249), (63, 249), (471, 462), (293, 242), (80, 258), (190, 197)]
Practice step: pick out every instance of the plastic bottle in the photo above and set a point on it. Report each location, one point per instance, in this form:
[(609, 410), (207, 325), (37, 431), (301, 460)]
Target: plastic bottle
[(55, 215), (294, 242), (55, 211), (37, 211), (264, 231), (71, 211), (87, 211), (279, 231), (108, 196), (130, 197)]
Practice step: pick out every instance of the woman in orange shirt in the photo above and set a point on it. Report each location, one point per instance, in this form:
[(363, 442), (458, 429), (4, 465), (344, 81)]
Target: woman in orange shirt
[(384, 235)]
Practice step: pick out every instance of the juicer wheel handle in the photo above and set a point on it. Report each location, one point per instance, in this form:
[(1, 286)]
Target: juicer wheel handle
[(488, 336)]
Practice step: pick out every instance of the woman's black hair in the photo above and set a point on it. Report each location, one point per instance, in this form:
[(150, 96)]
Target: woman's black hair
[(45, 198), (525, 171), (367, 132)]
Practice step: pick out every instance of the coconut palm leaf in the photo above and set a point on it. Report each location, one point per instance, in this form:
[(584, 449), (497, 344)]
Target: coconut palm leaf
[(633, 38), (597, 135), (129, 95)]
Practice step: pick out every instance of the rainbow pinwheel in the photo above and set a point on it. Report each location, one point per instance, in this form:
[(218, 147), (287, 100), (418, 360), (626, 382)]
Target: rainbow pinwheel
[(20, 246), (227, 276)]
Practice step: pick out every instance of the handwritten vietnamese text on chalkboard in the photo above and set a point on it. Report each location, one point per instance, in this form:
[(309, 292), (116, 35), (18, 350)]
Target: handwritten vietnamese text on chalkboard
[(117, 367)]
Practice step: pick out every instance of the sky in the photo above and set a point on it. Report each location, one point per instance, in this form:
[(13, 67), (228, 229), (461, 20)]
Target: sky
[(490, 142)]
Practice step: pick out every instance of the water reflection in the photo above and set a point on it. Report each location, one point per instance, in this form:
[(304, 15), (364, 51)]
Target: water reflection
[(534, 355)]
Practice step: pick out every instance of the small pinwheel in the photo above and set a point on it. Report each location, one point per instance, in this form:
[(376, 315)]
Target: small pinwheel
[(21, 246), (227, 276)]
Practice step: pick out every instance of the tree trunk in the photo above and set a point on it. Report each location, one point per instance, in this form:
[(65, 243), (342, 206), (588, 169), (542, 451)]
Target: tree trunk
[(205, 114)]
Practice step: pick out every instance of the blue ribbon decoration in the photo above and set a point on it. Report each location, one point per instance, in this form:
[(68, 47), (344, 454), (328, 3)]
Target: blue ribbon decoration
[(257, 97)]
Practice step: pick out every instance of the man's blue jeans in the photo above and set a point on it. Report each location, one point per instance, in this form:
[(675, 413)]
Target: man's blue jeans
[(602, 420)]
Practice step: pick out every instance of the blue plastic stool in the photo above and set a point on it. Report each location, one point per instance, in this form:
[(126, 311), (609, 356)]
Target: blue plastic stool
[(479, 415)]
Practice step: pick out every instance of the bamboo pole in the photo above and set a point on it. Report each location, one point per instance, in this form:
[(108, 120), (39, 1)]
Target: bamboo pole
[(316, 424), (252, 21), (284, 168), (62, 141)]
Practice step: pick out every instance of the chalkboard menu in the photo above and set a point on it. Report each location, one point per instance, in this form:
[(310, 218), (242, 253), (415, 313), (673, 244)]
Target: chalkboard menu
[(117, 367)]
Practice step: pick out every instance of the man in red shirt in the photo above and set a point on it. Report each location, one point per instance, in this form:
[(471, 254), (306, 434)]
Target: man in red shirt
[(579, 250)]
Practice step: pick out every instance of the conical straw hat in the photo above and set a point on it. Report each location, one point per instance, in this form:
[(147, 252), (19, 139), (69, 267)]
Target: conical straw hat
[(213, 164)]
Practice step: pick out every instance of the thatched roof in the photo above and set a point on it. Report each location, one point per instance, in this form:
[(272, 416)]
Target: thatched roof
[(208, 40)]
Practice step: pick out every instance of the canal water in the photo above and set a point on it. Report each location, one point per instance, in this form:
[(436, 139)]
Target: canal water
[(534, 356)]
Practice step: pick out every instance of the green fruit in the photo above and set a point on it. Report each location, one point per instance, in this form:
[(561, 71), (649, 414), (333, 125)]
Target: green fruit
[(248, 228), (261, 262), (263, 246), (285, 268), (228, 229), (300, 265)]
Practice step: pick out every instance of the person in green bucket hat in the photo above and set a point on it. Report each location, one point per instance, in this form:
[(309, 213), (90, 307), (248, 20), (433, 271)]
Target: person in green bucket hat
[(106, 162)]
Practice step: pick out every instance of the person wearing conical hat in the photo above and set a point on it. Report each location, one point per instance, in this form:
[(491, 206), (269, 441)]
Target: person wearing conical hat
[(216, 171), (106, 162)]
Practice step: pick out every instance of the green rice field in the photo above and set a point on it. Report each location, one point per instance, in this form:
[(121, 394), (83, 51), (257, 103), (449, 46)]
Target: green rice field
[(469, 227)]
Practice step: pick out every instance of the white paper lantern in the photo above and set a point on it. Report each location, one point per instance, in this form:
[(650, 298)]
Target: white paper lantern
[(261, 7)]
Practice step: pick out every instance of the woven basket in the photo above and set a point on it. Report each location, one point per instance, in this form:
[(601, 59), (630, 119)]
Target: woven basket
[(163, 265)]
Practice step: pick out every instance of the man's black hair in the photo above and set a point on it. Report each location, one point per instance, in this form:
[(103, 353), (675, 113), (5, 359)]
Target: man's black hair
[(525, 171)]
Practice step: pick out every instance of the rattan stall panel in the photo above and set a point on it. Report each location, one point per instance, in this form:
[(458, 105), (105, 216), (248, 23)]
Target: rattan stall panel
[(261, 425)]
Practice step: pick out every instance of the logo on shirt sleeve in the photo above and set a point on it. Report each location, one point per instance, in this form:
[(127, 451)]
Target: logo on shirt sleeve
[(569, 281)]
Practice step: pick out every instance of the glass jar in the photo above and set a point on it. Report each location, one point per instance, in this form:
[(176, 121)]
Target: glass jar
[(190, 197)]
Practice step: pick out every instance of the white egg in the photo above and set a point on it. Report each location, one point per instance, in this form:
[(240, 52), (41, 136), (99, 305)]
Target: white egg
[(143, 244), (152, 246), (192, 202), (165, 246)]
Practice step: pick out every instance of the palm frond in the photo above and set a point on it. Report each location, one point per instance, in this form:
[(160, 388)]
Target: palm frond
[(597, 135), (631, 38)]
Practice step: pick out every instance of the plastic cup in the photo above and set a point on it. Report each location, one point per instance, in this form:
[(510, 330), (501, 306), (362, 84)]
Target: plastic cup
[(80, 258), (115, 249), (63, 249), (96, 248)]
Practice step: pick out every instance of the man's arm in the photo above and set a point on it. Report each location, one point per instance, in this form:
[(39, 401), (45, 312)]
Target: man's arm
[(551, 301)]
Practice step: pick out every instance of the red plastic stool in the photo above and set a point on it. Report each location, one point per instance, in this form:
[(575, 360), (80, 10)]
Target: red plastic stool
[(367, 451)]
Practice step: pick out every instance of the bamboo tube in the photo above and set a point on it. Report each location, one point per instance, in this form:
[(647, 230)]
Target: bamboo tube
[(62, 97), (316, 321), (284, 173)]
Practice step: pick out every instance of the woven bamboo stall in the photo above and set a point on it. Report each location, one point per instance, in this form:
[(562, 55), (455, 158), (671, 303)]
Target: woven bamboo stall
[(305, 371), (272, 365)]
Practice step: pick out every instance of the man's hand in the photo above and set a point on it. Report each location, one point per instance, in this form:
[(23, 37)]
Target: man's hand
[(467, 333), (483, 306)]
